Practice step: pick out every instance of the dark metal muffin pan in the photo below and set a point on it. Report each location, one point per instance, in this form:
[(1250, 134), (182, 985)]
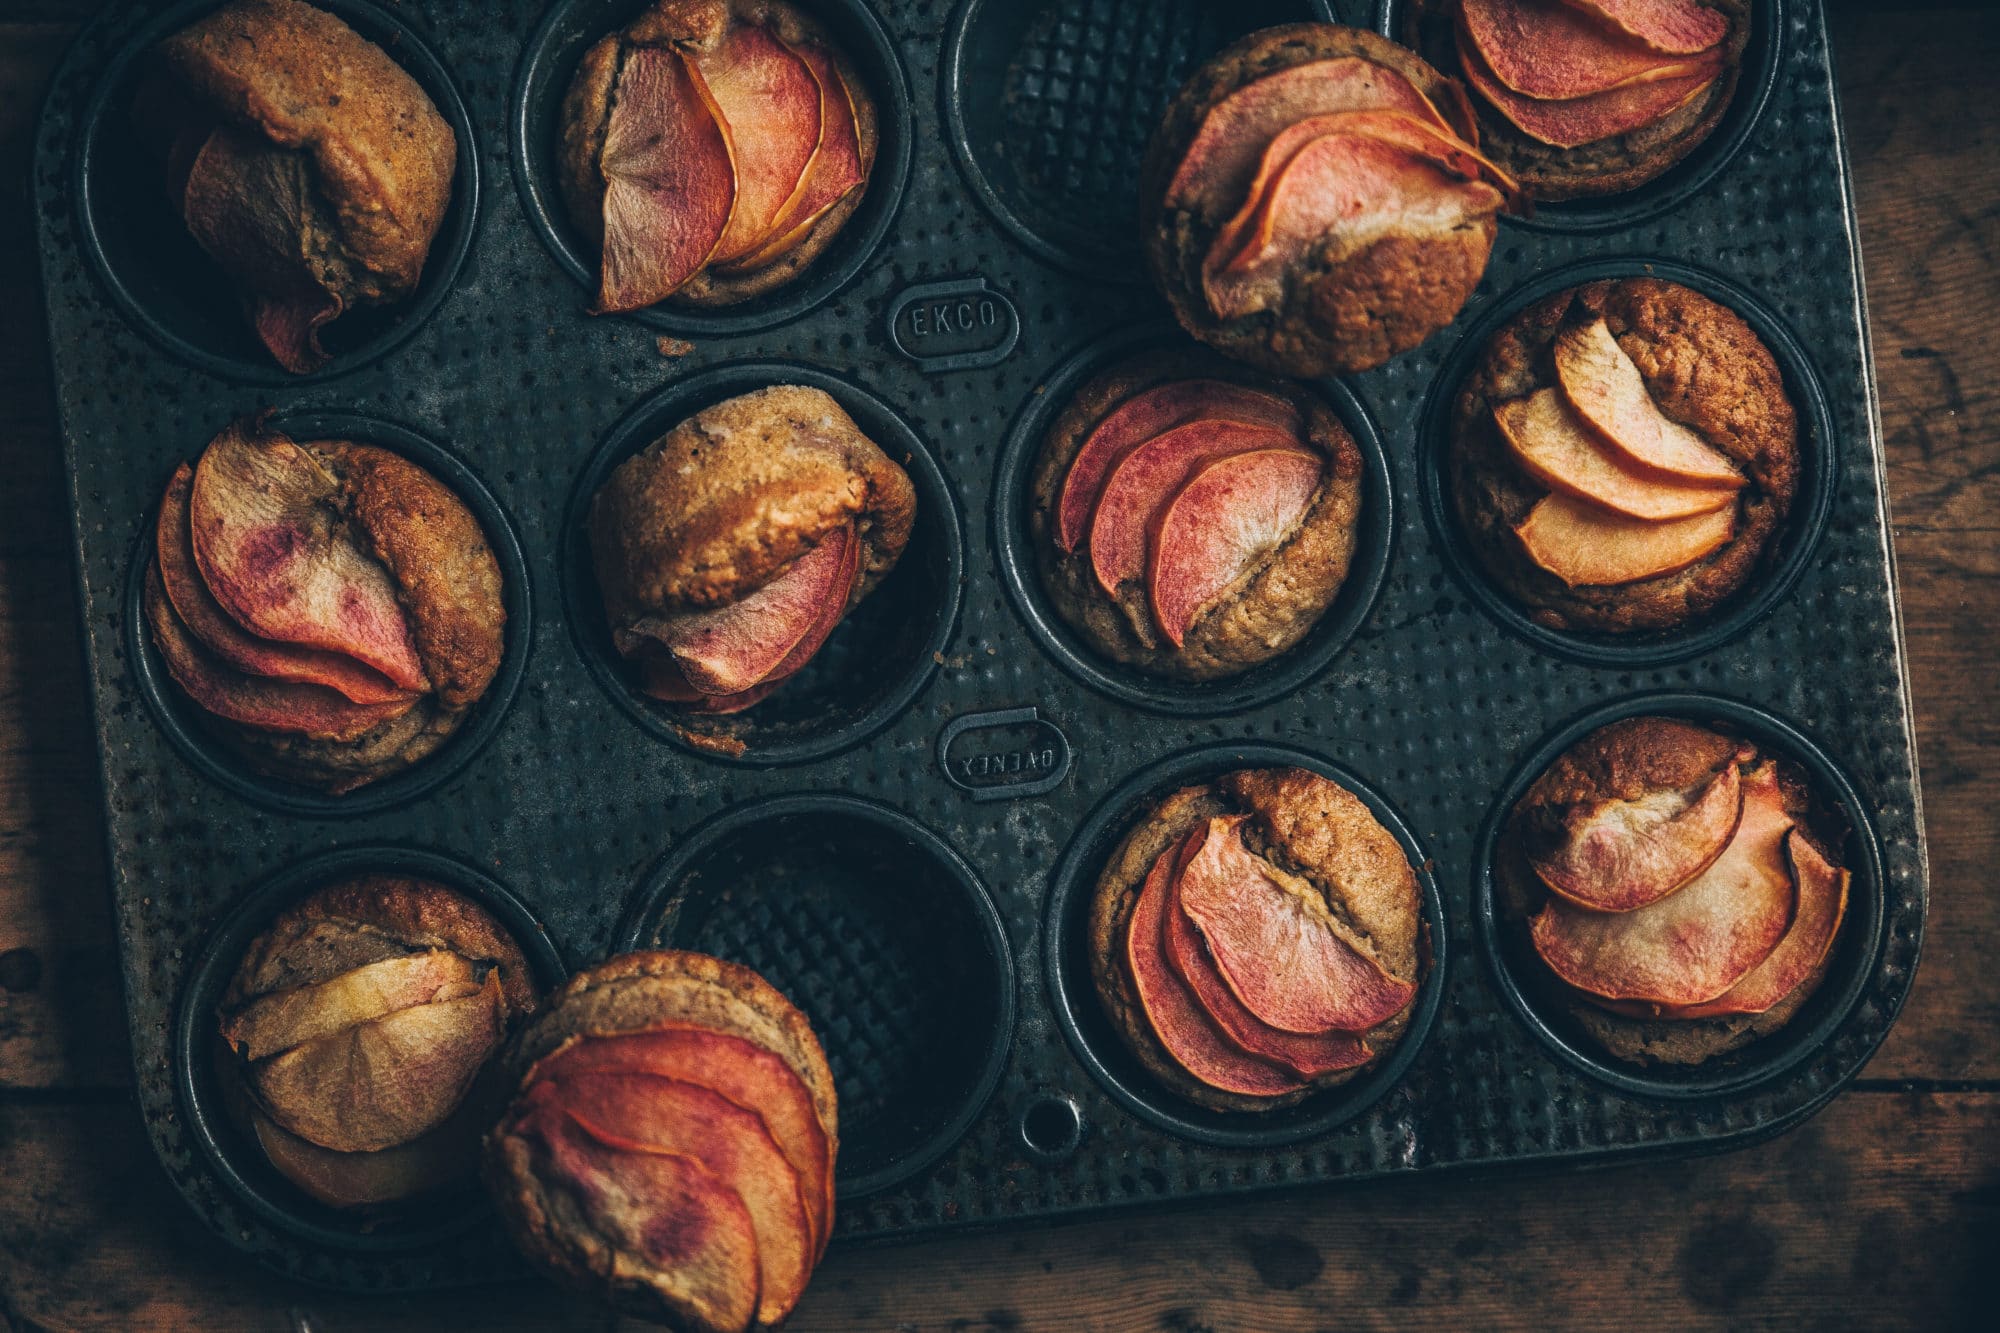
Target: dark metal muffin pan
[(955, 821)]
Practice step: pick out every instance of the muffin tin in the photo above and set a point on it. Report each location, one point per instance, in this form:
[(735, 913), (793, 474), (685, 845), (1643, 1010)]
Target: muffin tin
[(905, 843)]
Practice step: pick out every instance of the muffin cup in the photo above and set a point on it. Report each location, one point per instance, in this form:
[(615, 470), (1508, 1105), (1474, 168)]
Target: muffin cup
[(1770, 32), (195, 734), (173, 292), (1531, 991), (1780, 566), (1080, 1013), (1017, 78), (881, 933), (1020, 562), (196, 1043), (840, 698), (534, 128)]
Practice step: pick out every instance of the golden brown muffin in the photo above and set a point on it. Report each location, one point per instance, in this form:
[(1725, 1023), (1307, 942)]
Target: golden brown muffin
[(1267, 609), (1309, 828), (1705, 369), (310, 165)]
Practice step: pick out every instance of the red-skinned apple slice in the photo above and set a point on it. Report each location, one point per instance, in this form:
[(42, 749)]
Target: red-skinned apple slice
[(836, 169), (770, 106), (1571, 124), (1549, 51), (264, 522), (1149, 413), (1184, 1028), (645, 1113), (669, 180), (1822, 894), (1587, 546), (1697, 942), (286, 1018), (735, 647), (1231, 512), (213, 628), (1552, 444), (1626, 854), (1273, 943), (1147, 477), (1671, 27), (1606, 390)]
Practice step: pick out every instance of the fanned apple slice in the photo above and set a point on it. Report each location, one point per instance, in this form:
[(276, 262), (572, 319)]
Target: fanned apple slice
[(1230, 513), (1587, 546), (1605, 389), (287, 1018), (1550, 51), (770, 106), (1671, 27), (670, 185), (1697, 942), (264, 521), (1274, 943), (1149, 413), (1623, 855), (1605, 115), (1552, 445), (836, 169), (1183, 1027), (1822, 893), (1143, 481)]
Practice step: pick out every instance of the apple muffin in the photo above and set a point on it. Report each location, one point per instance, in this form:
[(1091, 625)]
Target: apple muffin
[(1257, 938), (1582, 98), (303, 160), (1678, 889), (356, 1029), (1193, 519), (1314, 201), (332, 609), (1623, 457), (670, 1142), (712, 149)]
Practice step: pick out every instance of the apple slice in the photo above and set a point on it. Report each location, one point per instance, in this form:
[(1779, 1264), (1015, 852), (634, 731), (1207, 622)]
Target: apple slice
[(254, 701), (1549, 51), (424, 1165), (1185, 1029), (1672, 27), (1552, 445), (1588, 546), (1697, 942), (832, 608), (264, 519), (1626, 854), (1605, 115), (1605, 389), (1822, 892), (284, 1019), (1215, 528), (669, 180), (1142, 483), (770, 108), (836, 169), (1146, 414)]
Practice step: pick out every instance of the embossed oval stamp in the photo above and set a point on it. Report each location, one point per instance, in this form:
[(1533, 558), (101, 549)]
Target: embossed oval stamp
[(1004, 755), (957, 324)]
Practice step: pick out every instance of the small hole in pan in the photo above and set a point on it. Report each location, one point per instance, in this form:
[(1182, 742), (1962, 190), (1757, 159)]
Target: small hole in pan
[(1052, 1127)]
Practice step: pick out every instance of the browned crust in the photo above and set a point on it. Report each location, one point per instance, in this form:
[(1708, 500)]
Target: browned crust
[(1343, 312), (1707, 370), (1305, 824), (1272, 607), (382, 156), (1608, 166), (723, 501)]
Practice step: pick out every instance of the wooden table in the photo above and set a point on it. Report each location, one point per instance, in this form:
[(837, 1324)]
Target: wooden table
[(1884, 1211)]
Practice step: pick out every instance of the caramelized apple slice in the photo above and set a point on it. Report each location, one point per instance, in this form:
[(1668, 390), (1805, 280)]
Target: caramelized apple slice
[(1142, 483), (1697, 942), (770, 106), (425, 1164), (1185, 1029), (1230, 513), (1552, 445), (1672, 27), (1571, 124), (1588, 546), (287, 1018), (1146, 414), (1607, 391), (1549, 51), (835, 172), (669, 180), (1623, 855), (1822, 894)]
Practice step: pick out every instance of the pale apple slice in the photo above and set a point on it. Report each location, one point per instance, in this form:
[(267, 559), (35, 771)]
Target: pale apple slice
[(264, 519), (1623, 855), (1149, 413), (770, 107), (1551, 444), (1231, 513), (1605, 389), (1671, 27), (1274, 943), (837, 169), (1588, 546), (1550, 51), (669, 181), (1605, 115), (1822, 893), (284, 1019), (424, 1165), (1143, 481), (1697, 942)]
